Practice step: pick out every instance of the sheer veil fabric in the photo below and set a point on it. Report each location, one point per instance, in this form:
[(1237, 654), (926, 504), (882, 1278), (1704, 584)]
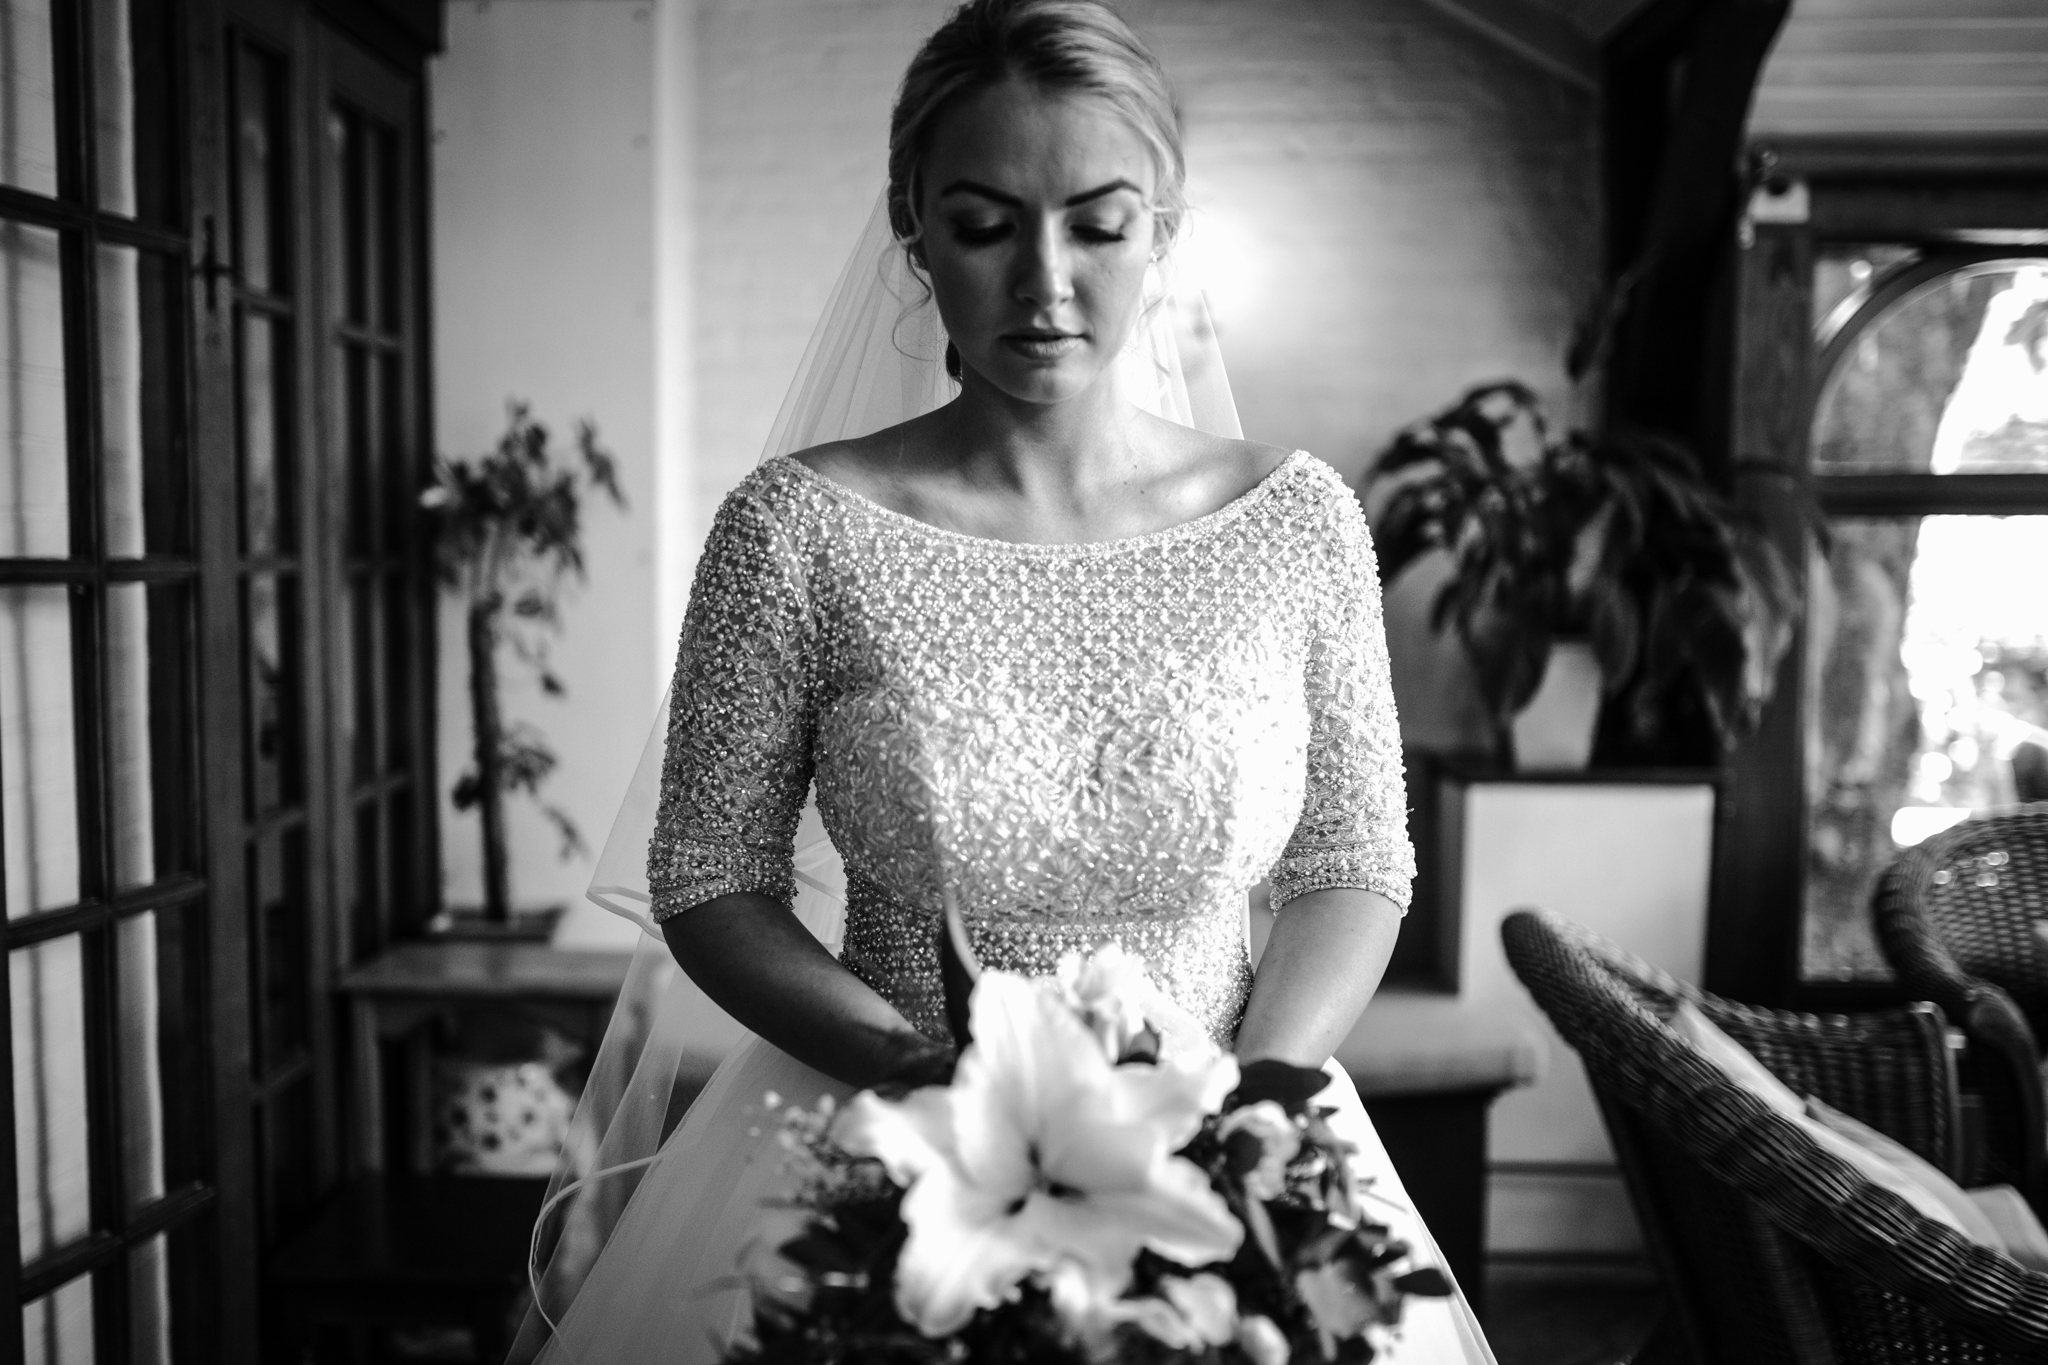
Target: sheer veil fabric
[(602, 1245)]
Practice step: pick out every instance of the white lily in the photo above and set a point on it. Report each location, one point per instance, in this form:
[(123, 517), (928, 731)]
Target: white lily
[(1119, 1003), (1042, 1153)]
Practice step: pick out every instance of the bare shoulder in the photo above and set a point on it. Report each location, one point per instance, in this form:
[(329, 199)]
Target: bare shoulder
[(1222, 467), (846, 462), (883, 466)]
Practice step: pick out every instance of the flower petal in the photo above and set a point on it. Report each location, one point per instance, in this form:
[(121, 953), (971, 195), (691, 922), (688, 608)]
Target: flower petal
[(1030, 1065), (1180, 1216), (908, 1136), (964, 1253)]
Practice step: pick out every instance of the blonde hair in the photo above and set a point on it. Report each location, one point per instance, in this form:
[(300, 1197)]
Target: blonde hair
[(1059, 46)]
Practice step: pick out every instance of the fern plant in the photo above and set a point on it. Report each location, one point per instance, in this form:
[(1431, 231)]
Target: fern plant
[(508, 538), (1615, 538)]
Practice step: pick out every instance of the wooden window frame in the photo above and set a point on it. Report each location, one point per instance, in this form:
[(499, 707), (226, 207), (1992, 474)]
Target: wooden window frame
[(1977, 198)]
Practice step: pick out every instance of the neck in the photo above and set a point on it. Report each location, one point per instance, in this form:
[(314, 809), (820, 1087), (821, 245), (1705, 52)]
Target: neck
[(1054, 454)]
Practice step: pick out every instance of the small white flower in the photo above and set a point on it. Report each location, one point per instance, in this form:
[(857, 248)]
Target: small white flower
[(435, 496), (1258, 1338), (1279, 1142), (1110, 991), (1207, 1303), (1194, 1312)]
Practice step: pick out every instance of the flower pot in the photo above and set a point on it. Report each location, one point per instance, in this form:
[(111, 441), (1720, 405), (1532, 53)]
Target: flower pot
[(1554, 732)]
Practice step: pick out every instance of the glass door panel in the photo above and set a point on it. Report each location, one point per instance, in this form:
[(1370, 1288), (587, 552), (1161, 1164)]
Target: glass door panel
[(38, 759), (52, 1127), (35, 503), (28, 97)]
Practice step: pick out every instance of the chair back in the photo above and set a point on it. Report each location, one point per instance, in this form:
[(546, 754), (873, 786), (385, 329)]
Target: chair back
[(1772, 1248), (1980, 889)]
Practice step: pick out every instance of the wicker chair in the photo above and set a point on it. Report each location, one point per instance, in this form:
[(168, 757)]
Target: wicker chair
[(1773, 1249), (1959, 918)]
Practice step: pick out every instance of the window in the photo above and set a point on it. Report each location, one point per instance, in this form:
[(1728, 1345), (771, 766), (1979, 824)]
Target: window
[(105, 908), (1887, 357), (214, 635), (1926, 658)]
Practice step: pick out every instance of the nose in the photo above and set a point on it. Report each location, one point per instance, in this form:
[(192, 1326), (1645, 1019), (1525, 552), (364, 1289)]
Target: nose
[(1045, 277)]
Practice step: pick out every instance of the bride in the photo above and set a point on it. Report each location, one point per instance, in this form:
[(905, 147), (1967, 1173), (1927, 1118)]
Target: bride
[(1057, 642)]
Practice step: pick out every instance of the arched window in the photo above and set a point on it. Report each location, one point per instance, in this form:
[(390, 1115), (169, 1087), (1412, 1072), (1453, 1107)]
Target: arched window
[(1926, 644)]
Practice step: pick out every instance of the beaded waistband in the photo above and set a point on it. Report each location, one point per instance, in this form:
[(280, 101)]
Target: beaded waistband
[(1198, 957)]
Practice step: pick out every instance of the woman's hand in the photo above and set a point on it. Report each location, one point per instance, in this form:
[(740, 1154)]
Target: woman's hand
[(1322, 963), (754, 957)]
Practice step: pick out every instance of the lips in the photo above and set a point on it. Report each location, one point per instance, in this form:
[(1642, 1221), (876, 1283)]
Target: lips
[(1035, 344)]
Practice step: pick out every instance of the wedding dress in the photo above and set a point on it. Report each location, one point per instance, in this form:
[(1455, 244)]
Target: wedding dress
[(1092, 742)]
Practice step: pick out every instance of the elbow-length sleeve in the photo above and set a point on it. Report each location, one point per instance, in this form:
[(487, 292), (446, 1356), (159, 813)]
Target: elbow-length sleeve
[(741, 718), (1353, 829)]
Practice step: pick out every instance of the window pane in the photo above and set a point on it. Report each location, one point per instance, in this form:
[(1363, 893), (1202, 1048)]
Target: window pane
[(34, 503), (177, 940), (149, 732), (149, 1303), (262, 217), (285, 1128), (271, 632), (366, 913), (1927, 699), (361, 678), (397, 467), (142, 472), (38, 773), (57, 1328), (142, 1094), (50, 1160), (28, 98), (345, 136), (114, 94), (358, 433), (267, 520), (399, 745), (133, 836), (277, 888), (1953, 379), (403, 909), (387, 228)]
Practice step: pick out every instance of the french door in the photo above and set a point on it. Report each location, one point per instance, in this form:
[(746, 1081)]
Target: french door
[(213, 637)]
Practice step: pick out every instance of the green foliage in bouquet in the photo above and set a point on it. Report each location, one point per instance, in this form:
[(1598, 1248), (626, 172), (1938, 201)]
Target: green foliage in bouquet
[(1615, 537), (1293, 1267), (508, 536)]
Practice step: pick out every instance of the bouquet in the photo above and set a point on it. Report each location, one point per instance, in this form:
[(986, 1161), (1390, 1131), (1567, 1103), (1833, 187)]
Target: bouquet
[(1098, 1183)]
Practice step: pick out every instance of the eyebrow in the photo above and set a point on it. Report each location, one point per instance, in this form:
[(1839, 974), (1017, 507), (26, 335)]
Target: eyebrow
[(986, 192)]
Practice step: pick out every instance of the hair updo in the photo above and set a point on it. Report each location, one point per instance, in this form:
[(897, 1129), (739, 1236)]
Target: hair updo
[(1076, 47)]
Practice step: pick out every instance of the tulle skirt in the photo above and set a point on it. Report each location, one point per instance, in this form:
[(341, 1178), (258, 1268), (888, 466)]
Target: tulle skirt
[(667, 1285)]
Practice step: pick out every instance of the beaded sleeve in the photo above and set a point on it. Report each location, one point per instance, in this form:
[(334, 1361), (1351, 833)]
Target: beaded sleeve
[(1353, 830), (741, 720)]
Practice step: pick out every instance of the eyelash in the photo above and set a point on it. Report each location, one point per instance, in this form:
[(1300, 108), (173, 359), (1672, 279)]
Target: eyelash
[(988, 236)]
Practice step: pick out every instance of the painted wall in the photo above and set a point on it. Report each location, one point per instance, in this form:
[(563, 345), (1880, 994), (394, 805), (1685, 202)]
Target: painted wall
[(543, 257)]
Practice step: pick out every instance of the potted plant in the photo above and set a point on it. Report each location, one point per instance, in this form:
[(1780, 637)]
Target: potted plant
[(1613, 543), (508, 537)]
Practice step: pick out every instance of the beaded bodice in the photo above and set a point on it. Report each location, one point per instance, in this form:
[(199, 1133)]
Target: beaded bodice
[(1087, 742)]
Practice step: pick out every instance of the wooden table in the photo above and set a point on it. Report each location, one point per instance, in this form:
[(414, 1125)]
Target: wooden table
[(394, 995)]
